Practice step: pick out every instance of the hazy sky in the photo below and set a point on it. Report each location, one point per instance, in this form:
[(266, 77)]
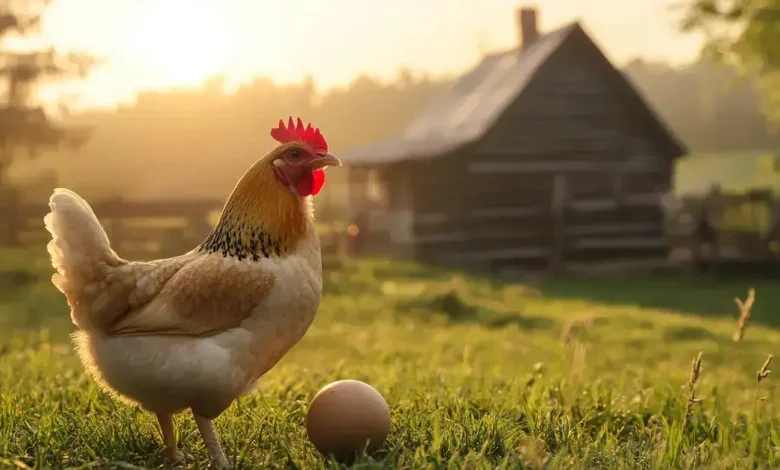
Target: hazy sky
[(159, 43)]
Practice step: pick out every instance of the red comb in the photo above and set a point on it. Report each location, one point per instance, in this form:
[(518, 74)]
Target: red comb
[(309, 135)]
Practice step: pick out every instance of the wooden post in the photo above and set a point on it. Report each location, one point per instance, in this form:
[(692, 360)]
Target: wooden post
[(715, 209), (700, 235), (558, 211), (773, 234)]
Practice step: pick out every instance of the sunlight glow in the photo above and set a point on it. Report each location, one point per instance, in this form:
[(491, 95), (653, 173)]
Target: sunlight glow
[(163, 44), (175, 42)]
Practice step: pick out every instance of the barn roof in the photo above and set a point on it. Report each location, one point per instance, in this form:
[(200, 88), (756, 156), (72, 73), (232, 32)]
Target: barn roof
[(466, 111)]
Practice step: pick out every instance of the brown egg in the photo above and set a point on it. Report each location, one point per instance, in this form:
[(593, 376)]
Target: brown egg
[(346, 417)]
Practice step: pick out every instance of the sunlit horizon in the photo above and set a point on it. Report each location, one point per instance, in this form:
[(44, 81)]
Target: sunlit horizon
[(165, 44)]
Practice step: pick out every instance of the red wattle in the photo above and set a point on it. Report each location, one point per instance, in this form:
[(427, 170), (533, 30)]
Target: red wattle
[(319, 181), (311, 183)]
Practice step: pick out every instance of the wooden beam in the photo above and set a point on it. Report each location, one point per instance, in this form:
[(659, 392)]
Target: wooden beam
[(504, 212), (619, 242), (502, 234), (594, 205), (600, 229), (629, 200), (443, 237), (644, 199)]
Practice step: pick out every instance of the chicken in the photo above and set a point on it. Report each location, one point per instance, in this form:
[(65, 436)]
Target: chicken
[(198, 330)]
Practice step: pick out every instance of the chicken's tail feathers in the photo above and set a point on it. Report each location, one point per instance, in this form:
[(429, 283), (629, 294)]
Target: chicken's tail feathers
[(79, 249)]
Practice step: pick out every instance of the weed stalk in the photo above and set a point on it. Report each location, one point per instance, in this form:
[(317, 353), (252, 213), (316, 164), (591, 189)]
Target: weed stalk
[(744, 313)]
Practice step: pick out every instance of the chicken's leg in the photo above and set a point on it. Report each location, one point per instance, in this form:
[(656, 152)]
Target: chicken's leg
[(171, 451), (212, 441)]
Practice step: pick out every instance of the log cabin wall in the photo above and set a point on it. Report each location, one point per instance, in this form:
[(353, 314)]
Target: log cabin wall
[(540, 157), (571, 173), (439, 223)]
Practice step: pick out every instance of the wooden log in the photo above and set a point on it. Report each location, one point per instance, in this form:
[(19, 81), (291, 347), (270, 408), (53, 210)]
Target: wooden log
[(506, 212), (614, 229), (480, 232), (455, 236), (618, 215), (617, 243), (610, 203), (541, 223)]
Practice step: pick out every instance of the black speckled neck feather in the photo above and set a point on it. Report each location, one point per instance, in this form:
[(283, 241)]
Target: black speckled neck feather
[(261, 219), (243, 240)]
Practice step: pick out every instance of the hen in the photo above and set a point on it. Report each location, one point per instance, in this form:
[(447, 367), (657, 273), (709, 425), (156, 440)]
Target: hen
[(197, 331)]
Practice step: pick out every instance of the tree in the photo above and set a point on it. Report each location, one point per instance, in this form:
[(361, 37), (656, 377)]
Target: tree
[(744, 33), (25, 127), (707, 104)]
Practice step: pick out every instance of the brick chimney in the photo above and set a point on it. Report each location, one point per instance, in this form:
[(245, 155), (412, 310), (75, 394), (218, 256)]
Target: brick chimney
[(526, 27)]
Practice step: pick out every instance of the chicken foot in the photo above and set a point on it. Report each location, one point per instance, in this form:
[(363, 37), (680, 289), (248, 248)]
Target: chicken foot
[(206, 428), (171, 450)]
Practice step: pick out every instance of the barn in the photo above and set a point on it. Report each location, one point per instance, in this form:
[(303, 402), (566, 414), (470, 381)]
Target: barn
[(540, 157)]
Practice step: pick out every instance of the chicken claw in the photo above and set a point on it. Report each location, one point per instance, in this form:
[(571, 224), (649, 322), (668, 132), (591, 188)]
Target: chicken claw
[(171, 451), (211, 440), (175, 456)]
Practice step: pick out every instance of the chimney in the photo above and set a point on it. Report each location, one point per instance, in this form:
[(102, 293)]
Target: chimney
[(526, 19)]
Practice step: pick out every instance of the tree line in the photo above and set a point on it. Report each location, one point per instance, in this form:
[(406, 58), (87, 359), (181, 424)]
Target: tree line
[(207, 137)]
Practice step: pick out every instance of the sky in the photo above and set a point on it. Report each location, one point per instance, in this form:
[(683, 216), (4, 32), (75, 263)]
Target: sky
[(158, 44)]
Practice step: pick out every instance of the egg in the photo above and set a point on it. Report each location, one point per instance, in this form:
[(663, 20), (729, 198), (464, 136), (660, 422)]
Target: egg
[(346, 417)]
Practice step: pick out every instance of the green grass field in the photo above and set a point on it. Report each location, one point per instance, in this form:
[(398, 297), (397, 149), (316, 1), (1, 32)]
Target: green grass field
[(478, 374)]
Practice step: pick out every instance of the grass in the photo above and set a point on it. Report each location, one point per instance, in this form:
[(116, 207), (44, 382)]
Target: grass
[(478, 374)]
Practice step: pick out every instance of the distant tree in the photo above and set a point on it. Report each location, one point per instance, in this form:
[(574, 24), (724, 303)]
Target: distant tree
[(743, 33), (709, 105), (25, 127), (368, 110)]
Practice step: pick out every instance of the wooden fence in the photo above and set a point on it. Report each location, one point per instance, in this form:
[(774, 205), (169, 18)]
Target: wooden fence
[(725, 228), (711, 229), (591, 237), (138, 230)]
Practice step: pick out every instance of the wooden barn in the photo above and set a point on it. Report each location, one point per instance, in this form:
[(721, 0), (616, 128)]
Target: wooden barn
[(543, 156)]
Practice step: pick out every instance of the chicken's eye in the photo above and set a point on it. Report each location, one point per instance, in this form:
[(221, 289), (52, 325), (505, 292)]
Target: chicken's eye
[(295, 154)]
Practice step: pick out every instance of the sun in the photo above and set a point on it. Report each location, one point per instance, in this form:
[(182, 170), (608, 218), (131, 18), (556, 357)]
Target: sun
[(178, 42)]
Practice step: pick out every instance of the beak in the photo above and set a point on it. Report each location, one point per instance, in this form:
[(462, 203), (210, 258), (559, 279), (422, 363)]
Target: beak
[(323, 160)]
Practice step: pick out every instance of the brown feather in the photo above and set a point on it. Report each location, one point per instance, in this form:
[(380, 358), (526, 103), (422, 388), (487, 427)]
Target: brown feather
[(209, 295)]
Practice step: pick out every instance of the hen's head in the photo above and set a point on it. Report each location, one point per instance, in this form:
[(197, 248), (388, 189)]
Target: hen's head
[(269, 209), (300, 159)]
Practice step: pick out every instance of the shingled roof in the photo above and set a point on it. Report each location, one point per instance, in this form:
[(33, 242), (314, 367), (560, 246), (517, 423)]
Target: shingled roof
[(466, 111)]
